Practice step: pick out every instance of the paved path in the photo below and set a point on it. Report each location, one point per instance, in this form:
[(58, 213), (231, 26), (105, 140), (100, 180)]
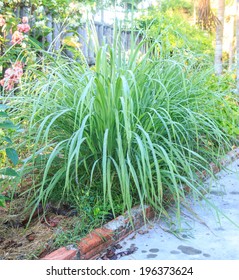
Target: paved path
[(205, 234)]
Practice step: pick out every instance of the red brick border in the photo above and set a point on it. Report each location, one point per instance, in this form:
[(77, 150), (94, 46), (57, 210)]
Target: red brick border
[(101, 238), (230, 157)]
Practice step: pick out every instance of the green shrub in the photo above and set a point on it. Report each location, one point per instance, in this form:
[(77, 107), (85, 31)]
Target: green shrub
[(8, 155), (176, 5), (176, 33), (227, 105)]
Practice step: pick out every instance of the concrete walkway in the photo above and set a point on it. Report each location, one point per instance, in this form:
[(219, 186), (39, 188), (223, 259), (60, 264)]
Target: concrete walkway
[(205, 234)]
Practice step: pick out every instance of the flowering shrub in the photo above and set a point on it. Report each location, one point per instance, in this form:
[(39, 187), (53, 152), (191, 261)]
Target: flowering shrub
[(24, 26), (18, 36), (14, 32), (12, 75)]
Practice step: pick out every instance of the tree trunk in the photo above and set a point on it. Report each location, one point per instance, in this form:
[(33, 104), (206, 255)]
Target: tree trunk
[(231, 39), (219, 37), (237, 44), (204, 14)]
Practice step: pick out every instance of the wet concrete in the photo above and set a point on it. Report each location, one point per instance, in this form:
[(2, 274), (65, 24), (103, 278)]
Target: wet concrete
[(205, 234)]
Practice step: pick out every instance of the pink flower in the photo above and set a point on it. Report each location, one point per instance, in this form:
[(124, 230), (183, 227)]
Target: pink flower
[(17, 37), (18, 71), (18, 64), (24, 19), (9, 84), (23, 27), (12, 76), (15, 72), (8, 73), (2, 21)]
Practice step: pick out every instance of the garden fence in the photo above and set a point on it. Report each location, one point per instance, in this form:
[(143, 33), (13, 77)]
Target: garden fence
[(58, 31)]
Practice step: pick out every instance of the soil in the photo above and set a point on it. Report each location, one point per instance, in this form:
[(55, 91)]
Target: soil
[(47, 230), (22, 240)]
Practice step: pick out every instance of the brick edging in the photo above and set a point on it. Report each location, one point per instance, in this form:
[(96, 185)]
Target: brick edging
[(100, 239), (227, 159)]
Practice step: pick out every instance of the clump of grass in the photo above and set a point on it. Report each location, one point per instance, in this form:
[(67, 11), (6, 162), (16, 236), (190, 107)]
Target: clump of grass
[(133, 129)]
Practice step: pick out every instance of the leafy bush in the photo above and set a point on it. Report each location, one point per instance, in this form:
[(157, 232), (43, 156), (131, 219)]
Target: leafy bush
[(227, 105), (185, 5), (176, 33), (6, 151)]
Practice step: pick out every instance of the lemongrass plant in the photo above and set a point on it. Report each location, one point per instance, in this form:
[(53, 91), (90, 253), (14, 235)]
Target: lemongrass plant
[(134, 128)]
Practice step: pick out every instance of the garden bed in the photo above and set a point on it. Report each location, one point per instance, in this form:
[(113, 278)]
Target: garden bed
[(49, 231), (18, 240)]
